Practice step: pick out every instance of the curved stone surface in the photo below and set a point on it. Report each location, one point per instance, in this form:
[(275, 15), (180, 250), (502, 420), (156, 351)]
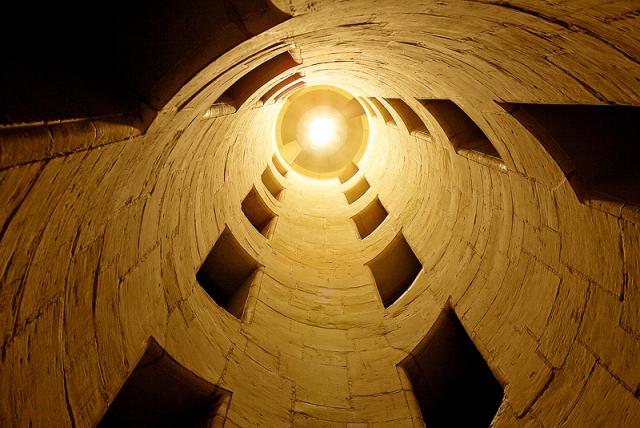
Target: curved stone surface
[(100, 243)]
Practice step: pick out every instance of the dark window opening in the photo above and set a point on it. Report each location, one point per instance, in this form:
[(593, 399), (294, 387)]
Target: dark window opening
[(257, 212), (250, 83), (280, 86), (271, 183), (463, 133), (370, 218), (596, 146), (394, 270), (162, 393), (386, 116), (409, 117), (227, 273), (279, 165), (452, 383), (357, 190)]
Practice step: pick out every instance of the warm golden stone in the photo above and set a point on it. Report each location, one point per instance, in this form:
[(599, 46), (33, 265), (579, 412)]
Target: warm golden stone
[(161, 236)]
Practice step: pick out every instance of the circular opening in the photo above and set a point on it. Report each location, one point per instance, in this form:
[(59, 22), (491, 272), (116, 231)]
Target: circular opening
[(321, 130)]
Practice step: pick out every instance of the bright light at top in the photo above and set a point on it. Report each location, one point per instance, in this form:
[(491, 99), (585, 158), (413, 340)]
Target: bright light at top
[(321, 131)]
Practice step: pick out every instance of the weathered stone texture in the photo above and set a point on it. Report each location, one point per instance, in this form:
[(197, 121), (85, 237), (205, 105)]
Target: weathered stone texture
[(104, 224)]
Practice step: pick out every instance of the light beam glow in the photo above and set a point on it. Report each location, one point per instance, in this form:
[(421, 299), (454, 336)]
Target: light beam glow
[(321, 131)]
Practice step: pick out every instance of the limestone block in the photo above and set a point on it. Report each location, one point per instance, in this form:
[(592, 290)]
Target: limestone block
[(564, 320), (601, 333), (535, 298), (598, 232), (604, 390), (631, 304), (566, 387), (372, 372)]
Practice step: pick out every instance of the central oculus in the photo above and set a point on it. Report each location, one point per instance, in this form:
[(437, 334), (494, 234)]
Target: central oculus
[(321, 130)]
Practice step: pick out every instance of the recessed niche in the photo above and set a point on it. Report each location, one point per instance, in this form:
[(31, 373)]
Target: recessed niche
[(370, 218), (596, 146), (279, 165), (288, 91), (257, 212), (280, 86), (367, 106), (348, 172), (365, 102), (352, 109), (354, 192), (272, 184), (394, 269), (252, 81), (162, 393), (386, 116), (409, 117), (463, 133), (227, 273), (452, 383)]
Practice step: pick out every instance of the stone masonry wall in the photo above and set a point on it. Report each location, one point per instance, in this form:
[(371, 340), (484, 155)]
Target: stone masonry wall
[(99, 247)]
